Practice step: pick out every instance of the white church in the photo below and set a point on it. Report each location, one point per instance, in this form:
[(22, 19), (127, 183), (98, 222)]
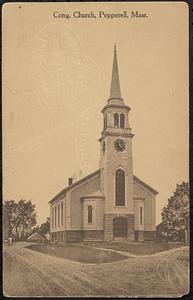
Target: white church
[(111, 202)]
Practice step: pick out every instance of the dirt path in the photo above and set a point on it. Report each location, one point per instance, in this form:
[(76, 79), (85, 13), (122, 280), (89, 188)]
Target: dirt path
[(30, 273)]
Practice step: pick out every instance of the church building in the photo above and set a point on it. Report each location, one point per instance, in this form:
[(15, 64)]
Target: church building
[(111, 202)]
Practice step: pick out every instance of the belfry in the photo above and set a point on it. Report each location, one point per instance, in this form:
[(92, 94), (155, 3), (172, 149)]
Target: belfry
[(111, 202)]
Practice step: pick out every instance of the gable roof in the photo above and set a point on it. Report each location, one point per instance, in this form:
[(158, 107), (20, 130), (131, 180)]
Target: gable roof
[(91, 175), (37, 235), (63, 191), (145, 184)]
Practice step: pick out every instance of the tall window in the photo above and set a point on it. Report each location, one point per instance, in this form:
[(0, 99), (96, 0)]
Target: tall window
[(122, 120), (120, 187), (141, 215), (116, 120), (105, 121), (62, 214), (59, 215), (55, 216), (90, 214), (52, 216)]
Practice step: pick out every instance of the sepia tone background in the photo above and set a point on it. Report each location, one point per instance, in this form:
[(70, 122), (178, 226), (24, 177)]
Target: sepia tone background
[(56, 79)]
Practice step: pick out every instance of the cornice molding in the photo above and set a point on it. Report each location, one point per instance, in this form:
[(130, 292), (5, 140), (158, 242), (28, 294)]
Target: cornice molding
[(115, 106), (106, 133)]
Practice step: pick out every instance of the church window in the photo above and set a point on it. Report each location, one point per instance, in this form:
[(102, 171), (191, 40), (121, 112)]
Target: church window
[(122, 120), (90, 214), (116, 120), (52, 217), (141, 215), (120, 187), (62, 214), (105, 122), (55, 216), (58, 215)]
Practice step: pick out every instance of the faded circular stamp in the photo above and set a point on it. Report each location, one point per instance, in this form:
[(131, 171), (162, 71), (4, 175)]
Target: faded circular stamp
[(65, 79), (86, 135), (64, 76)]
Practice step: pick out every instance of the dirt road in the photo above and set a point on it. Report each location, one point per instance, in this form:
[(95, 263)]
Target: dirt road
[(30, 273)]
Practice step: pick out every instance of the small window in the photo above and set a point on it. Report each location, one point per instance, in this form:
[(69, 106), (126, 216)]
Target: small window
[(122, 121), (141, 215), (116, 120), (90, 214)]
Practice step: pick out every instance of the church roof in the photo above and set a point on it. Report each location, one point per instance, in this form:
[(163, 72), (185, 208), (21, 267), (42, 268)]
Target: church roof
[(115, 90), (144, 184), (63, 191), (97, 193)]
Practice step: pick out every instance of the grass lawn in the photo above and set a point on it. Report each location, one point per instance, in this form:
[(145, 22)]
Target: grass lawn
[(78, 253), (140, 248)]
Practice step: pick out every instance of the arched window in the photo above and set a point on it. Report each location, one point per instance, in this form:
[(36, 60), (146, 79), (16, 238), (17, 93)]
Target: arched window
[(120, 187), (116, 120), (122, 120)]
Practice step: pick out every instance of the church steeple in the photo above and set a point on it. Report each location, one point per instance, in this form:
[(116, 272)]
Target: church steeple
[(116, 162), (115, 91)]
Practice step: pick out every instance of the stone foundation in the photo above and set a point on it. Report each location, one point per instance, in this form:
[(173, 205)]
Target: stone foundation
[(77, 235), (139, 235), (149, 235), (80, 235), (74, 235), (93, 235)]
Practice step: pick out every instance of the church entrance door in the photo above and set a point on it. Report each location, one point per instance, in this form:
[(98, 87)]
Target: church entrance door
[(120, 227)]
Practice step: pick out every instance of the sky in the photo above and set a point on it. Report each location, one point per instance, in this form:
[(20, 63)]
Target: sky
[(56, 80)]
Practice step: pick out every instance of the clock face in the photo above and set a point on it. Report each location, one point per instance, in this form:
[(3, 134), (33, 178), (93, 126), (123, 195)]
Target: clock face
[(103, 147), (119, 145)]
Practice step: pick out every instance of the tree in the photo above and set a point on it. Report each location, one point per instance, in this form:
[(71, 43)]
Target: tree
[(21, 215), (175, 215), (45, 227)]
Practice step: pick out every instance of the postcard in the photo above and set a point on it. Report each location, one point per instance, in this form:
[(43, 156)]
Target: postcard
[(95, 149)]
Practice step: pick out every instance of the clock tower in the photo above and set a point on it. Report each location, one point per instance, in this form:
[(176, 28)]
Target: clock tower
[(116, 163)]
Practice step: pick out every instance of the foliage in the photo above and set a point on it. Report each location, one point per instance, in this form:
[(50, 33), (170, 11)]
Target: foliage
[(175, 215), (22, 216), (45, 227)]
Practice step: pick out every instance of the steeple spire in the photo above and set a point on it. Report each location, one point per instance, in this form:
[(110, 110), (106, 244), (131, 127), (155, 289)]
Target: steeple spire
[(115, 91)]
